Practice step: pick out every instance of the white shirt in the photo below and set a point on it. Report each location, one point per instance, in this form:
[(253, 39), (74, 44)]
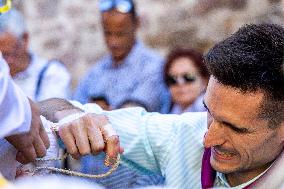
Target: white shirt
[(15, 114), (55, 81), (15, 117)]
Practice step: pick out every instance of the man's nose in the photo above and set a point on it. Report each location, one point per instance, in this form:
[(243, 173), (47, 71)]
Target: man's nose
[(214, 136)]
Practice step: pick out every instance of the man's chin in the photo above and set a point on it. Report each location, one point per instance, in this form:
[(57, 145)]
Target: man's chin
[(222, 167)]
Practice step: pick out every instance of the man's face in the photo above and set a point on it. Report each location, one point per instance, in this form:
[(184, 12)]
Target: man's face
[(240, 141), (13, 51), (119, 31)]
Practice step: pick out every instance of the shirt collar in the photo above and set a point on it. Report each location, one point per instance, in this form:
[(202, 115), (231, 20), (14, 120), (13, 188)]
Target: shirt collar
[(221, 180)]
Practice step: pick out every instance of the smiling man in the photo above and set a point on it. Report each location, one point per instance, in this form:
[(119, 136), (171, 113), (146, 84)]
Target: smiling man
[(237, 143)]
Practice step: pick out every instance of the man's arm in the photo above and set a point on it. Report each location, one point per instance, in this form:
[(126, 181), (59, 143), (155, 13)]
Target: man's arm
[(147, 137), (86, 133)]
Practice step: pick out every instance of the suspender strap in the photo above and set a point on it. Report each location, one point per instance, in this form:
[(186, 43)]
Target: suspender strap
[(40, 78)]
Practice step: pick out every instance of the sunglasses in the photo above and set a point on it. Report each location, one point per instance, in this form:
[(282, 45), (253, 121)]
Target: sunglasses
[(5, 6), (185, 78), (123, 6)]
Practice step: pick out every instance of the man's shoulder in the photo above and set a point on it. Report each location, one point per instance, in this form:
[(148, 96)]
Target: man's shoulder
[(197, 121), (54, 67), (150, 53), (41, 63), (101, 64)]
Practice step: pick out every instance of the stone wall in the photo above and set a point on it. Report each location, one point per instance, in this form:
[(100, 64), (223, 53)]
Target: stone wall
[(70, 29)]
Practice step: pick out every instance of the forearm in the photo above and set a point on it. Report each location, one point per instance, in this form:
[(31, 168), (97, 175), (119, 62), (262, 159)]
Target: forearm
[(55, 108)]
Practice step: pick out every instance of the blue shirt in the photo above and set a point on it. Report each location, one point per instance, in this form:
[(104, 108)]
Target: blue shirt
[(139, 77)]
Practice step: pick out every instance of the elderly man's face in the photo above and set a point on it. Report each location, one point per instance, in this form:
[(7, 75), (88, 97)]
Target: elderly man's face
[(120, 32), (240, 141), (13, 50)]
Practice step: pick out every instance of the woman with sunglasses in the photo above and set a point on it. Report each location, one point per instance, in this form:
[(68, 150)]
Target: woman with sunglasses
[(186, 76)]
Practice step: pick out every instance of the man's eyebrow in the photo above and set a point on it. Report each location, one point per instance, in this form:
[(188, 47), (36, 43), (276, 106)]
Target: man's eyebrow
[(235, 128)]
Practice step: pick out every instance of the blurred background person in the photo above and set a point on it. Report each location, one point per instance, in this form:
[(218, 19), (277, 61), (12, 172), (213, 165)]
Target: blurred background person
[(130, 70), (37, 77), (186, 76)]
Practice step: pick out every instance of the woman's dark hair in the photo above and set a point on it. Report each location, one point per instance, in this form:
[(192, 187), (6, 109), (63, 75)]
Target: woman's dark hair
[(189, 53)]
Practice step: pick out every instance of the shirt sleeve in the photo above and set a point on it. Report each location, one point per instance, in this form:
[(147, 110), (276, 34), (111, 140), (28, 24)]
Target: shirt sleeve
[(149, 139), (15, 114)]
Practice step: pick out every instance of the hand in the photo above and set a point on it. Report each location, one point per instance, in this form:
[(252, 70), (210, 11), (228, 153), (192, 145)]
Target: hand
[(88, 135), (33, 144)]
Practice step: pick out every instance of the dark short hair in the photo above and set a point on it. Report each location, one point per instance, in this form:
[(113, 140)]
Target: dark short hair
[(252, 60), (189, 53)]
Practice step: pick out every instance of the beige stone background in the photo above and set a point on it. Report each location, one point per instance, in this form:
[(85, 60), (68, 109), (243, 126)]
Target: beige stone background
[(70, 30)]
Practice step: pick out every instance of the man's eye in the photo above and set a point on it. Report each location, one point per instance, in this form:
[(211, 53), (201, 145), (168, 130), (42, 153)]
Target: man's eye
[(238, 130)]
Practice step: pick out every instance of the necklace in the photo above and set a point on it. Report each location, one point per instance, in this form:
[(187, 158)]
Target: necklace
[(75, 173)]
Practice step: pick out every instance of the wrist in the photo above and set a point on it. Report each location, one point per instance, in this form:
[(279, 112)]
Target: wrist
[(60, 115)]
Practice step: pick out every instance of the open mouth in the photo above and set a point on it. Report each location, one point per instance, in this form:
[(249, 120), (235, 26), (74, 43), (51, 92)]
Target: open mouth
[(219, 155)]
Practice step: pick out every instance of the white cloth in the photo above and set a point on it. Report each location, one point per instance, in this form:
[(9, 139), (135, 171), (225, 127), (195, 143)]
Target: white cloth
[(15, 114), (15, 117), (55, 82), (8, 163)]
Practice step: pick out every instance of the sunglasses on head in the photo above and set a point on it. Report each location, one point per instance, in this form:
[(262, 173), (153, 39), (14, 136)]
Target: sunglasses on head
[(5, 6), (180, 79), (123, 6)]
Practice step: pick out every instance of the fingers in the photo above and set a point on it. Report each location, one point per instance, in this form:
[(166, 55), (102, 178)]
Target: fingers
[(27, 155), (41, 142), (96, 139), (20, 158), (81, 138), (68, 140), (44, 137), (112, 141), (39, 147), (113, 146), (90, 134)]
